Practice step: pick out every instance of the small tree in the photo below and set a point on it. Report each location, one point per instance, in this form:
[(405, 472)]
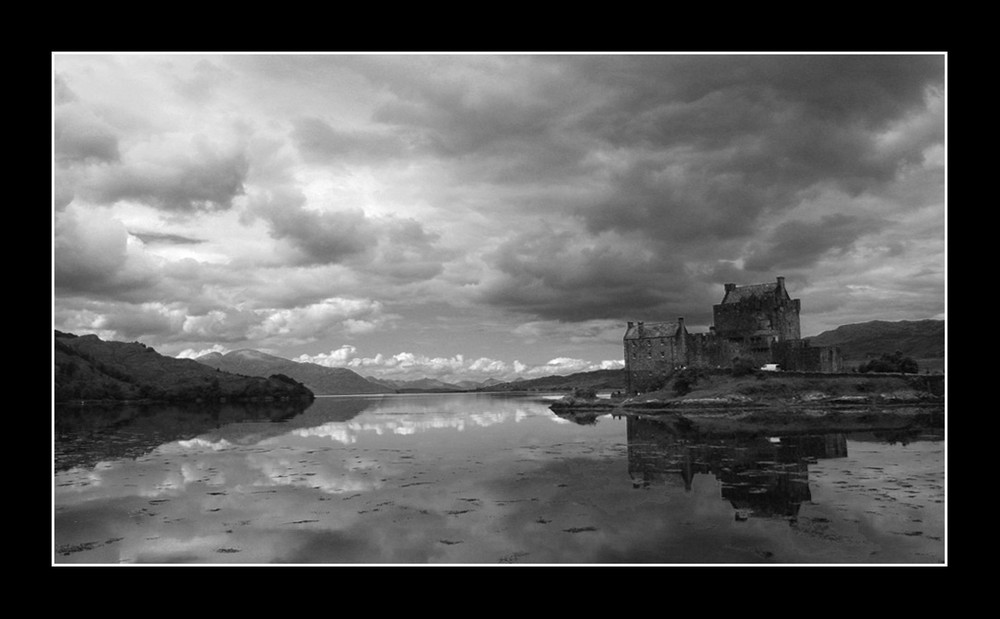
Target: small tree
[(895, 362), (685, 380), (743, 367)]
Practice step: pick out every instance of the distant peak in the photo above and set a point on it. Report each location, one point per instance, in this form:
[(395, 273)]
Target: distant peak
[(249, 353)]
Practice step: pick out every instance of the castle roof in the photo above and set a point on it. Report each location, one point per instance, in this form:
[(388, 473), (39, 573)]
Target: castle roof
[(738, 294), (652, 329)]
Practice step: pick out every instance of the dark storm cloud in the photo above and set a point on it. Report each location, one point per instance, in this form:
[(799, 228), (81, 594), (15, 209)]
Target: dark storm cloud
[(170, 239), (688, 155), (398, 249), (61, 91), (91, 257), (726, 139), (79, 134), (706, 99), (407, 252), (554, 276), (563, 188), (497, 118), (198, 178), (320, 237), (180, 174), (800, 244), (205, 78), (456, 125), (318, 141)]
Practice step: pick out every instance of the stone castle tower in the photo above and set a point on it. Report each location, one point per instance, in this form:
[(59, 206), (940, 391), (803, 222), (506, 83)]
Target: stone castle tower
[(757, 324), (757, 315)]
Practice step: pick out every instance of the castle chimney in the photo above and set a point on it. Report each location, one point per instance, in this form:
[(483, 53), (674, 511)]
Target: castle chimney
[(781, 283), (642, 329), (630, 324), (730, 287), (680, 323)]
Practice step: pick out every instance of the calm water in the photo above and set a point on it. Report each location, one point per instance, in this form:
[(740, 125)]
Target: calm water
[(479, 479)]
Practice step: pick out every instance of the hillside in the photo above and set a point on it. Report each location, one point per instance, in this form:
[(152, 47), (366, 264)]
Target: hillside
[(922, 340), (88, 368), (320, 379)]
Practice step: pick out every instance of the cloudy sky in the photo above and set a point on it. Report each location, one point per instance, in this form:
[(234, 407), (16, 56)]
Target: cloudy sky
[(476, 215)]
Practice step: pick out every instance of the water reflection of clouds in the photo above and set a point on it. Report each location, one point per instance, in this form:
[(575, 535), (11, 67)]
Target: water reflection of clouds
[(327, 477), (198, 444), (346, 432)]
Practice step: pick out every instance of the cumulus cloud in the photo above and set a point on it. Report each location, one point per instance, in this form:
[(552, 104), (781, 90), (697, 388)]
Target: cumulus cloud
[(311, 321), (177, 325), (588, 331), (191, 353), (410, 366)]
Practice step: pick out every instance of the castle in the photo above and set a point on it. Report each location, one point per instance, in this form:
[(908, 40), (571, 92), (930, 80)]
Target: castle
[(758, 324)]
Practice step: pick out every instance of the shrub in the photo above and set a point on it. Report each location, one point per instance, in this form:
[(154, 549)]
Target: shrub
[(743, 367), (895, 362), (685, 380)]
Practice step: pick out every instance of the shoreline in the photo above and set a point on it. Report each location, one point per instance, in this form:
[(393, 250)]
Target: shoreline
[(764, 403), (769, 420)]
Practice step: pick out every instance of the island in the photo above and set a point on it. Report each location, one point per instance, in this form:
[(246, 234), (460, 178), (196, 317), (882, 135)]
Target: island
[(760, 402)]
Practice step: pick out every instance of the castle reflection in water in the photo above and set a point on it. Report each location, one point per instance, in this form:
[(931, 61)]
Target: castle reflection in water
[(762, 477)]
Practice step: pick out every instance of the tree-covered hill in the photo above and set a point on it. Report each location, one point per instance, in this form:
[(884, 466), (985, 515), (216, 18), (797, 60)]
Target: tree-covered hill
[(88, 368)]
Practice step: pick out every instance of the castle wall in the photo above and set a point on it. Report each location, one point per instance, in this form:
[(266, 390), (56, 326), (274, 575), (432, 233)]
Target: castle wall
[(649, 360), (799, 356)]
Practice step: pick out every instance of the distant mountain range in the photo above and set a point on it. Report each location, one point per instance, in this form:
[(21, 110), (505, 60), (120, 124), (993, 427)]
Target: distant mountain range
[(320, 379), (599, 380), (432, 384), (918, 339), (89, 368)]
